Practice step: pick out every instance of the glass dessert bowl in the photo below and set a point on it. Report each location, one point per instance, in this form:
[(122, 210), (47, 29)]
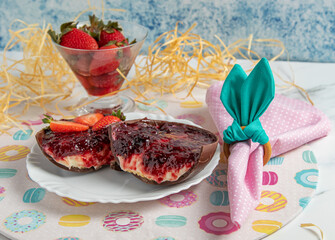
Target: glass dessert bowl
[(100, 70)]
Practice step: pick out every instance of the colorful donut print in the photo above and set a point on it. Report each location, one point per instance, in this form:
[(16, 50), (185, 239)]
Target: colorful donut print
[(68, 238), (214, 180), (279, 202), (275, 161), (74, 220), (2, 193), (210, 223), (123, 221), (191, 104), (309, 157), (22, 135), (33, 195), (171, 221), (303, 202), (302, 178), (266, 226), (196, 118), (188, 198), (34, 122), (13, 152), (14, 224), (7, 172), (270, 178), (154, 103), (124, 100), (219, 198), (75, 203), (164, 238)]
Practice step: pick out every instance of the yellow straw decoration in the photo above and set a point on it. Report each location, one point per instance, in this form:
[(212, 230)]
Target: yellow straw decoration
[(39, 78), (179, 61), (304, 225)]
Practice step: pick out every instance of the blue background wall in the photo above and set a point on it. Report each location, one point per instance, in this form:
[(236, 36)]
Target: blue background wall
[(306, 27)]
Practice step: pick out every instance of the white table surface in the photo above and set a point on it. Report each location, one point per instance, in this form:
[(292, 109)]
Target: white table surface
[(318, 79)]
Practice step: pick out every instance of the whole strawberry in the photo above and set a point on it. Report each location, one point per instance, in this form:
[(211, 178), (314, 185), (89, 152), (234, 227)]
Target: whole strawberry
[(105, 33), (108, 120), (111, 33), (72, 37)]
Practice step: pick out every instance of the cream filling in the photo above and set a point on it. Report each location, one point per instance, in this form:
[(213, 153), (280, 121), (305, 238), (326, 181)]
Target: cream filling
[(72, 161), (76, 161), (136, 166)]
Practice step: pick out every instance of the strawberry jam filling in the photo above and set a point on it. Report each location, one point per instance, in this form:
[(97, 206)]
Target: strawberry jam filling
[(84, 149), (158, 152)]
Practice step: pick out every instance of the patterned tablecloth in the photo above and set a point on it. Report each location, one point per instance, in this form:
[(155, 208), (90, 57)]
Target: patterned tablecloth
[(28, 211)]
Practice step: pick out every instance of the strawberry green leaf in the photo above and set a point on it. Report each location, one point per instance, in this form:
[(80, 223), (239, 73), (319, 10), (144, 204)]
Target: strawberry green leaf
[(47, 119), (132, 42), (68, 26), (54, 36), (110, 26), (119, 114), (110, 43)]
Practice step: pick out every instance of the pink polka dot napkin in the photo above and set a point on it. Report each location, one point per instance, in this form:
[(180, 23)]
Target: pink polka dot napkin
[(289, 123)]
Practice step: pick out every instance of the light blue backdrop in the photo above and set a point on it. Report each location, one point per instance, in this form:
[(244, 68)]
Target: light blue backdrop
[(306, 27)]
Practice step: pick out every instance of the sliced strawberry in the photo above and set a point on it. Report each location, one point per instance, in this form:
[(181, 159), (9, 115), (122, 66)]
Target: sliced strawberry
[(89, 119), (67, 126), (108, 120), (105, 121)]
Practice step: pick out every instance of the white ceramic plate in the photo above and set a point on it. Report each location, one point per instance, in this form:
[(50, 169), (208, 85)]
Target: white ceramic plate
[(107, 185)]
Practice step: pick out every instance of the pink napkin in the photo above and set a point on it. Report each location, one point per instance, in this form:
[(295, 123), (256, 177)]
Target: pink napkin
[(289, 123)]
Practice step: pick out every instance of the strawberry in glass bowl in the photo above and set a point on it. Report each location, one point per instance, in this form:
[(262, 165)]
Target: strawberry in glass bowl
[(97, 52)]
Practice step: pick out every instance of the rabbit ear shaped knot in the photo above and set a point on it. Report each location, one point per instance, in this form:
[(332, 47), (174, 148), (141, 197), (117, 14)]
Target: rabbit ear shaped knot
[(253, 131), (246, 98)]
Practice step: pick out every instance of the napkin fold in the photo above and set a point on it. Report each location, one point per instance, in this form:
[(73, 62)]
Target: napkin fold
[(289, 123)]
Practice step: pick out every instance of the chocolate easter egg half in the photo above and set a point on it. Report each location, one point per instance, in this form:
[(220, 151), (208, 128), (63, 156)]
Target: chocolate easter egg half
[(161, 152), (77, 151)]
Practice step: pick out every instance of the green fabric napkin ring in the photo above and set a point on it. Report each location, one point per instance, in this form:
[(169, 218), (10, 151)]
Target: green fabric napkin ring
[(253, 131), (246, 98)]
